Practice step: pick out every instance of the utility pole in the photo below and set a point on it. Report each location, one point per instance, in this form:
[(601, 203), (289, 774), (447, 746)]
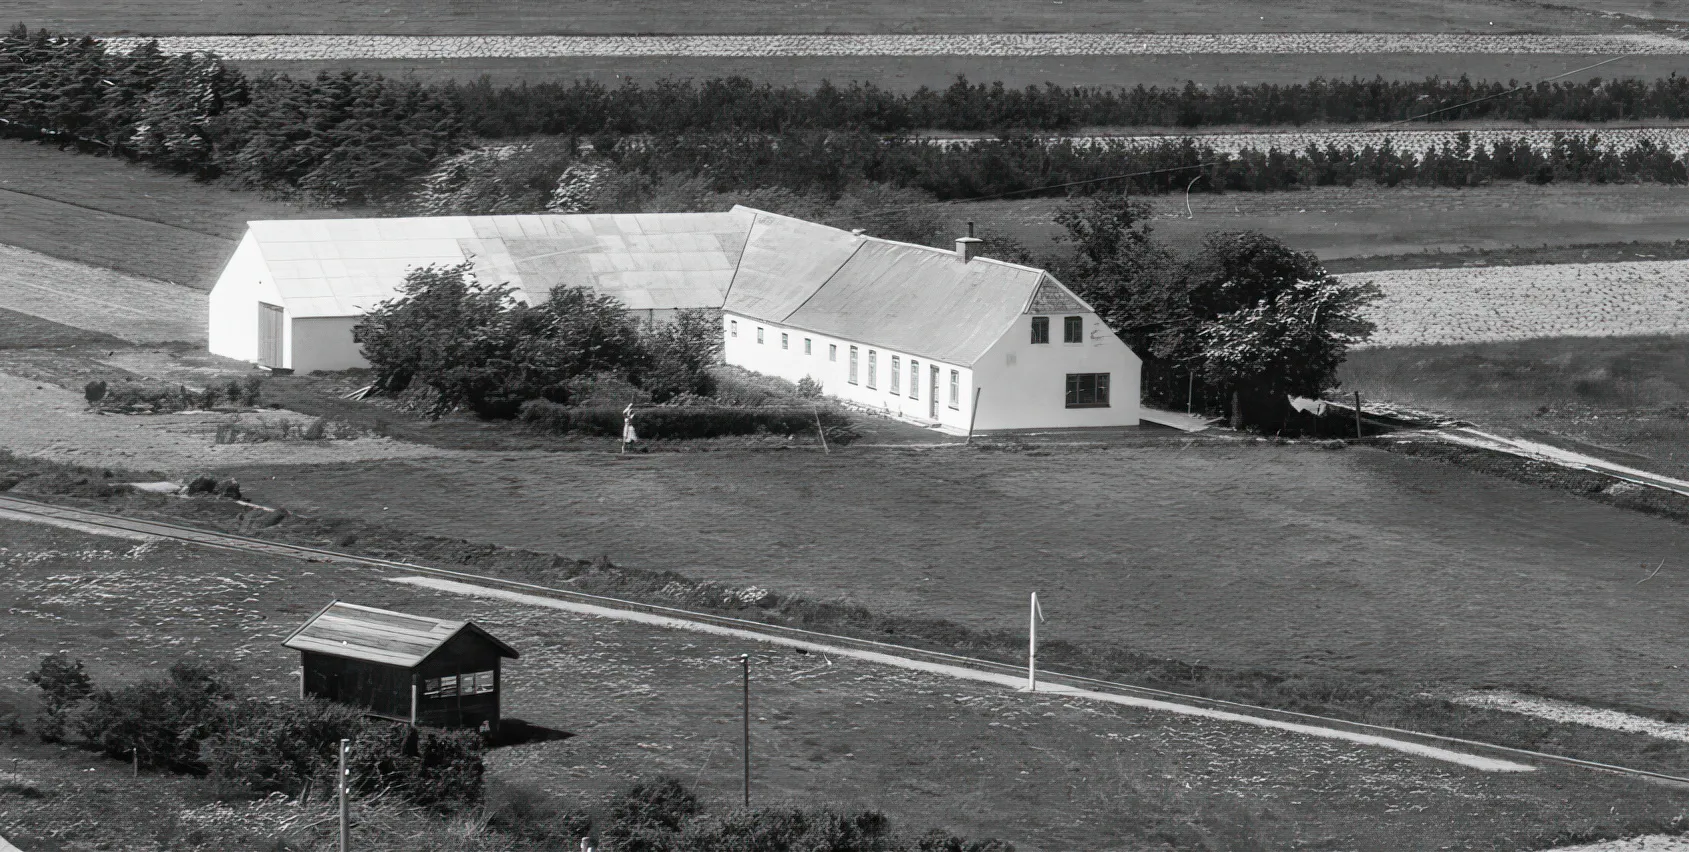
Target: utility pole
[(345, 822), (745, 662), (1035, 614)]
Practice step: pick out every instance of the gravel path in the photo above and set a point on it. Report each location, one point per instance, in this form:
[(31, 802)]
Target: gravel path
[(330, 47), (1577, 714), (1651, 843)]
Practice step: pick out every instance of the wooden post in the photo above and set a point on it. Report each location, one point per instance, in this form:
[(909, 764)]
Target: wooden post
[(1190, 390), (819, 430), (1032, 645), (345, 821), (1358, 432), (745, 661), (413, 699), (135, 755), (972, 417)]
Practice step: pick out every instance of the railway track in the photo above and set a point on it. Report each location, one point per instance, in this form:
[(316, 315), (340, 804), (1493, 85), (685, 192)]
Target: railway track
[(85, 519)]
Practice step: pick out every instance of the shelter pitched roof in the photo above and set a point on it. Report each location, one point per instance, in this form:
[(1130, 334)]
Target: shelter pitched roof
[(381, 636), (785, 261)]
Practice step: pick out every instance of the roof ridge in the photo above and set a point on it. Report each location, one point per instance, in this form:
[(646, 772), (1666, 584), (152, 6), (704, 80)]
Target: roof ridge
[(854, 251), (1012, 265)]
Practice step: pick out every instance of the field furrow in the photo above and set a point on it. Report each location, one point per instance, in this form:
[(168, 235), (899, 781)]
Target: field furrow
[(129, 307), (348, 47), (1427, 306)]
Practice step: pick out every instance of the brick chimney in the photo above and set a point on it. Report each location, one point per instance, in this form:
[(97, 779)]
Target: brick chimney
[(967, 248)]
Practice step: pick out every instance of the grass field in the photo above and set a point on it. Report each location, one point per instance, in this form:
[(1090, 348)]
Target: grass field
[(109, 213), (1042, 772), (104, 301), (1622, 398), (1292, 558), (1355, 222), (536, 17)]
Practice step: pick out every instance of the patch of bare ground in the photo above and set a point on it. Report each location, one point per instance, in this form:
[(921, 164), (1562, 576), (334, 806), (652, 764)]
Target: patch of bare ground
[(1044, 772)]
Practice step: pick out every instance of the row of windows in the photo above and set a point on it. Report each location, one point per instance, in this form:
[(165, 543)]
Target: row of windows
[(897, 372), (1072, 329), (476, 683), (873, 365)]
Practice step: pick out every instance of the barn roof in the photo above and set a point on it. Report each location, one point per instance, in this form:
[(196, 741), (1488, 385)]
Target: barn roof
[(343, 267), (785, 261), (381, 636)]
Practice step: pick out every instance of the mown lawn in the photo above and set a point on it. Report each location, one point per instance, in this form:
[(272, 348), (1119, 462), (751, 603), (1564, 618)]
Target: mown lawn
[(1042, 772), (1289, 558)]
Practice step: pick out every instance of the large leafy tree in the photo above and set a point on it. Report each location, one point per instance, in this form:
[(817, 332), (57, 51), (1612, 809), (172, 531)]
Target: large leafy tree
[(1246, 317), (475, 346)]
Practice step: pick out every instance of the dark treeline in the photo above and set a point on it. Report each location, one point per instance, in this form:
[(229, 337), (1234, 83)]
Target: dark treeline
[(735, 103), (827, 163), (338, 138)]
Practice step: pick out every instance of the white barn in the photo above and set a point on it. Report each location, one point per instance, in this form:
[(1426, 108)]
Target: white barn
[(914, 331)]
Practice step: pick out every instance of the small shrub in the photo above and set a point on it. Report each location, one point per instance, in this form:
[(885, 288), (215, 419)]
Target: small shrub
[(208, 399), (534, 816), (317, 429), (202, 484), (432, 768), (251, 390), (809, 388), (262, 747), (63, 683), (229, 489), (94, 391)]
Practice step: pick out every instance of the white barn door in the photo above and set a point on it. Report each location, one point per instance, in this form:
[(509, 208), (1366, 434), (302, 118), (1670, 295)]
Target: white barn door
[(269, 335)]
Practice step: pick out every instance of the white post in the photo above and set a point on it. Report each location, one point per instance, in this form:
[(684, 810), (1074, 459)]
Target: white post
[(1032, 645), (345, 823), (972, 417)]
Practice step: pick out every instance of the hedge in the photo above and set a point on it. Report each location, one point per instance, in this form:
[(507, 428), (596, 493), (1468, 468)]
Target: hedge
[(664, 422)]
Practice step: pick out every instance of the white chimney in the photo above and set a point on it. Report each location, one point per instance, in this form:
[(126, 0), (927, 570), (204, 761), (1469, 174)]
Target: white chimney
[(967, 248)]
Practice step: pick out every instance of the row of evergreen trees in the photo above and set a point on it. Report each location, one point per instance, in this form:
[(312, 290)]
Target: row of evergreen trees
[(818, 162), (736, 103), (338, 138)]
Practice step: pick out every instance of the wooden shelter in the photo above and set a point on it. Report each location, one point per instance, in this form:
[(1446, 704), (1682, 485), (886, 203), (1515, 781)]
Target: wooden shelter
[(409, 668)]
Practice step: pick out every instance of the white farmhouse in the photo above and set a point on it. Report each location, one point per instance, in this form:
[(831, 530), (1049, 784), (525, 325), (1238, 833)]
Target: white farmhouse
[(941, 337)]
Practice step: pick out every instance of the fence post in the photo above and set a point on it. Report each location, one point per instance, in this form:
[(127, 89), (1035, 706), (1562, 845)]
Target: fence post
[(819, 430), (345, 821), (972, 417)]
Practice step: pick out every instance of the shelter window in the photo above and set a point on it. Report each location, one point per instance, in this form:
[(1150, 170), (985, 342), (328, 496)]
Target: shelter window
[(1073, 330), (896, 373), (759, 334), (1087, 390), (852, 378), (914, 379), (955, 388), (1040, 329), (806, 346), (479, 683), (873, 368), (358, 333), (784, 340), (832, 352), (440, 687), (733, 327)]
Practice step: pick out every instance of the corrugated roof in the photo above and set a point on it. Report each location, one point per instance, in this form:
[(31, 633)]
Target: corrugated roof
[(785, 261), (381, 636), (919, 300), (343, 267)]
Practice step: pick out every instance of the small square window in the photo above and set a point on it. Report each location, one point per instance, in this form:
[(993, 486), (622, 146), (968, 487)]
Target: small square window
[(759, 334), (806, 349), (733, 327), (873, 369), (896, 373), (1040, 329), (1087, 390), (832, 352), (1073, 330), (358, 333), (783, 340)]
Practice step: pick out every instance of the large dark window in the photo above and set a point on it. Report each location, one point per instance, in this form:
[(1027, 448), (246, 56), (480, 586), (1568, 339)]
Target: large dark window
[(1040, 329), (1073, 330), (1087, 390)]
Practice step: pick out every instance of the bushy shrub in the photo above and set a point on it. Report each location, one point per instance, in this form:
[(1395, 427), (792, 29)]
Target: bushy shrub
[(605, 390), (809, 388), (63, 683), (432, 768), (161, 721), (650, 814), (251, 390), (263, 747), (679, 355), (681, 422), (94, 391), (317, 430), (534, 816)]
